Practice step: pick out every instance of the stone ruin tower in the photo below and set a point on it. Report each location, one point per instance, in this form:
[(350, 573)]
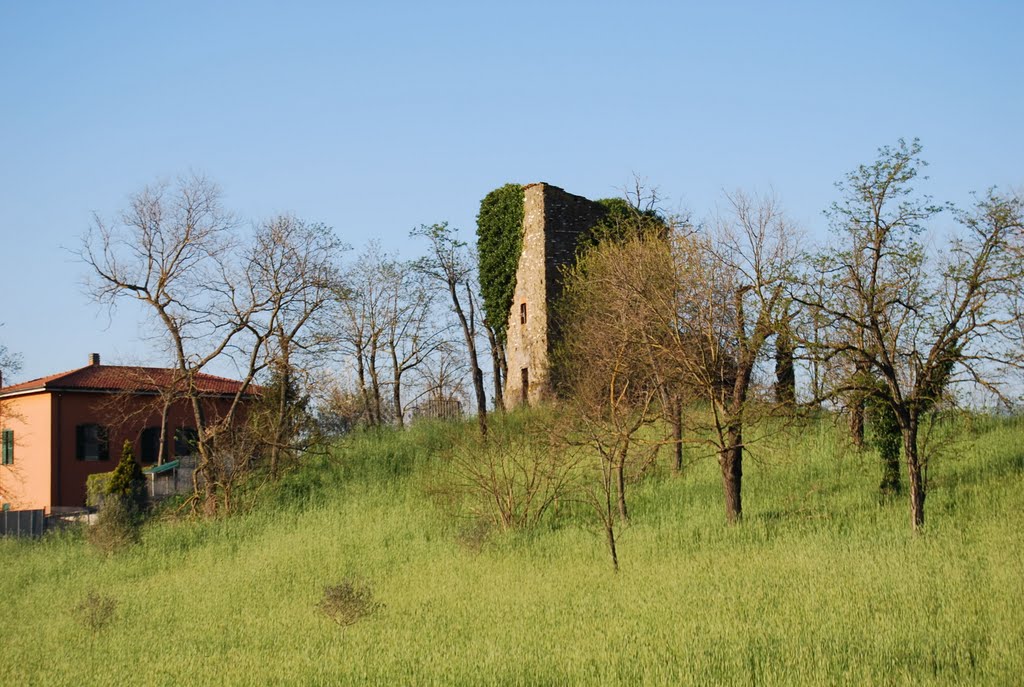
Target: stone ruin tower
[(553, 221)]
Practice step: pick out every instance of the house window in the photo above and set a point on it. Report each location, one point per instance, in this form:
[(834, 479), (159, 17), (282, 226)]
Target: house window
[(522, 313), (526, 384), (185, 441), (91, 442), (149, 443), (8, 447)]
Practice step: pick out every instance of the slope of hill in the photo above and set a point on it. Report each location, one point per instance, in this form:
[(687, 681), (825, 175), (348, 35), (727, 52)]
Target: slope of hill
[(822, 583)]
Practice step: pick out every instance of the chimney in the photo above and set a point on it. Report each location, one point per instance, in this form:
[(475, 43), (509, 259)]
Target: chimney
[(94, 358)]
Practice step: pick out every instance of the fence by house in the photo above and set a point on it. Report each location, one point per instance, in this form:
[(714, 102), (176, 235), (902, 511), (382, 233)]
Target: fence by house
[(32, 523), (22, 523), (170, 478)]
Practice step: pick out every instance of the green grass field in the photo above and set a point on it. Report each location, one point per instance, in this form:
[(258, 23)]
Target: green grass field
[(821, 584)]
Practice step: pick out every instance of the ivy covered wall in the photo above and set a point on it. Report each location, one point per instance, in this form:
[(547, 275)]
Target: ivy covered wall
[(499, 242)]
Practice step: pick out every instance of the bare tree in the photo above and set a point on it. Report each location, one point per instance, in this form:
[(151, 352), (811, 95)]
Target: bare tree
[(730, 298), (411, 333), (512, 477), (168, 252), (177, 251), (449, 264), (917, 320), (363, 306), (296, 264), (608, 366)]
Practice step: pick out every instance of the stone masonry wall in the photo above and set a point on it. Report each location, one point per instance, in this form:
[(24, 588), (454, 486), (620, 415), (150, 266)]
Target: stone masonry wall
[(552, 223)]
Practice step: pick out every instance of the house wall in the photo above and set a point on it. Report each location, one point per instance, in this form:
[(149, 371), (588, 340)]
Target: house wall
[(552, 223), (125, 417), (25, 484)]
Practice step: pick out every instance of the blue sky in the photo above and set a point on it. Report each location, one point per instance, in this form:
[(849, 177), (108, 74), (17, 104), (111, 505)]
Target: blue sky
[(375, 118)]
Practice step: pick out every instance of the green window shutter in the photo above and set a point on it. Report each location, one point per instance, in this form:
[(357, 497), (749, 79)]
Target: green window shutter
[(8, 446)]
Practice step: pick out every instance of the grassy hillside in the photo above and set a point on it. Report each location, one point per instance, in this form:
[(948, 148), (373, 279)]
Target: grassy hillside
[(821, 584)]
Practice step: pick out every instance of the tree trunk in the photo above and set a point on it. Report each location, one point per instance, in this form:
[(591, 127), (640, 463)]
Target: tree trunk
[(279, 420), (503, 366), (620, 483), (396, 389), (731, 460), (481, 395), (677, 435), (396, 399), (378, 412), (917, 486), (857, 423), (160, 458), (496, 354), (202, 476), (785, 371), (857, 406), (468, 331), (609, 528), (361, 380)]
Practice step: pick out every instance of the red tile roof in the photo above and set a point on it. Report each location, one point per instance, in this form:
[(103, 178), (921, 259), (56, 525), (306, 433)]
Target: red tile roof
[(124, 378)]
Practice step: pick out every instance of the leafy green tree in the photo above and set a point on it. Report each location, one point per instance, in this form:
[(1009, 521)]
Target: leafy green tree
[(917, 319)]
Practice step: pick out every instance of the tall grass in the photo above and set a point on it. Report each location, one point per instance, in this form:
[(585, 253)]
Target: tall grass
[(823, 583)]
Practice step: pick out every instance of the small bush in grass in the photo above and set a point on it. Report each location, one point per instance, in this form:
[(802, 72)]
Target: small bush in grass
[(96, 611), (475, 534), (348, 603), (513, 478), (116, 526)]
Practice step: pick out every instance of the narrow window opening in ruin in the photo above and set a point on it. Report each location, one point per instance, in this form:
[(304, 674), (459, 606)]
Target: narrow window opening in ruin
[(522, 313), (526, 384)]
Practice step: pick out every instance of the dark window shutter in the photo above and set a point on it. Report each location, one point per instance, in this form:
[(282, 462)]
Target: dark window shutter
[(186, 441), (149, 443), (80, 442), (103, 445)]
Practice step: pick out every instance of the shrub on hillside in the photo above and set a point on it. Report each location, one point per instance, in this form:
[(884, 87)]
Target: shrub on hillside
[(96, 611), (475, 534), (510, 480), (116, 526), (348, 603)]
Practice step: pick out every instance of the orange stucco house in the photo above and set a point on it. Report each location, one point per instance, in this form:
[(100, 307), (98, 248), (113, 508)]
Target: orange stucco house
[(58, 430)]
